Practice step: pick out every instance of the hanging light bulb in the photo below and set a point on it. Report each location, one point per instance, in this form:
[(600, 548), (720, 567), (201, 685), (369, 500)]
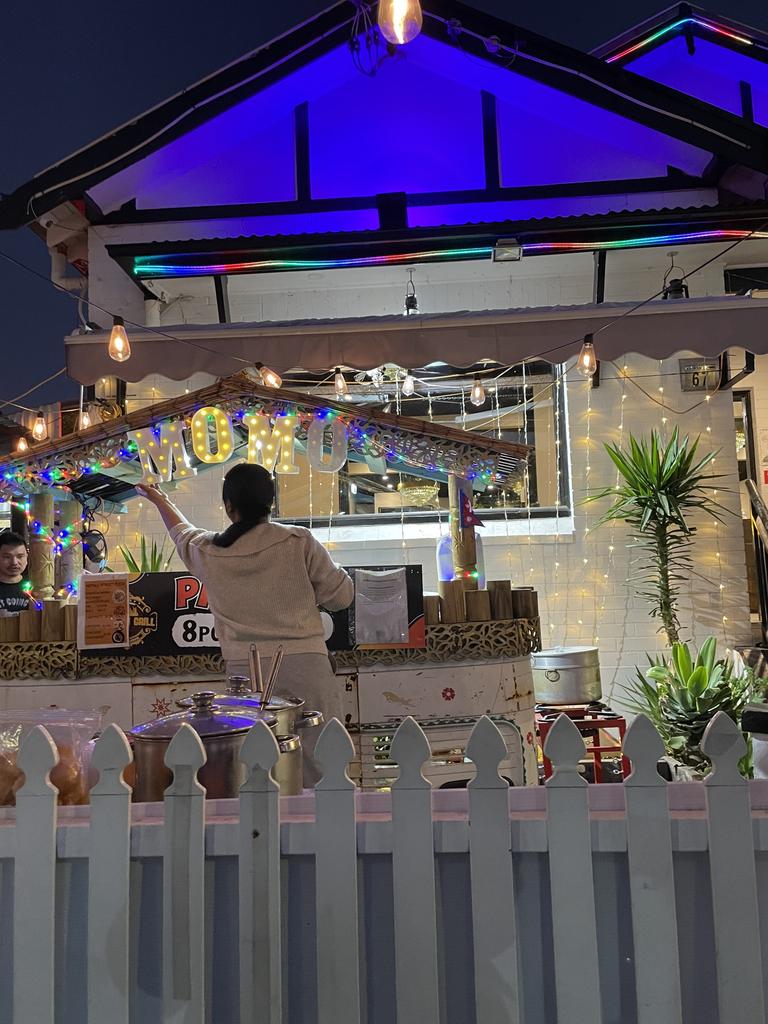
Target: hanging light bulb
[(587, 361), (269, 378), (84, 420), (340, 383), (39, 430), (400, 20), (411, 304), (409, 384), (22, 445), (119, 346), (477, 394)]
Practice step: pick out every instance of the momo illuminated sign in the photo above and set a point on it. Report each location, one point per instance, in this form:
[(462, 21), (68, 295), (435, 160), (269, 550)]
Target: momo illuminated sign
[(271, 443)]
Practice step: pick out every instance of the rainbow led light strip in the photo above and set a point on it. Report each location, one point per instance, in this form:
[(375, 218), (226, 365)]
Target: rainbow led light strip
[(531, 248), (701, 22), (143, 266)]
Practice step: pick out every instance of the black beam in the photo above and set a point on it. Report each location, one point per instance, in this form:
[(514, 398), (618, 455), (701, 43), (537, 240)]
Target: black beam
[(221, 285), (490, 141), (393, 211), (747, 109), (301, 143), (674, 181), (598, 284)]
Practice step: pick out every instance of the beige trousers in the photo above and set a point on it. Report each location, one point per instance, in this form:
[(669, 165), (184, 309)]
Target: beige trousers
[(310, 677)]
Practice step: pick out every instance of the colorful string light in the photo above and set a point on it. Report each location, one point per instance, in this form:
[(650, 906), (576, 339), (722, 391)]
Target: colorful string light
[(144, 267), (711, 26)]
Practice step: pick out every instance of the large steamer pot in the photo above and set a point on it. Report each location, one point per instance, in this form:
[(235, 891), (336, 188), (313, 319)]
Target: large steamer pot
[(566, 675), (221, 730), (289, 711)]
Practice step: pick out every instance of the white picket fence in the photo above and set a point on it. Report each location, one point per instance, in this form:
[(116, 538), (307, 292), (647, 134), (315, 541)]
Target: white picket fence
[(572, 904)]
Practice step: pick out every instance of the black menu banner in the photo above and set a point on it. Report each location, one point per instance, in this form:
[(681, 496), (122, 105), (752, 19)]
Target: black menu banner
[(170, 616)]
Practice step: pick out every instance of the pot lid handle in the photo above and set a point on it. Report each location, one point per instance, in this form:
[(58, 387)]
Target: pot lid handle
[(203, 701)]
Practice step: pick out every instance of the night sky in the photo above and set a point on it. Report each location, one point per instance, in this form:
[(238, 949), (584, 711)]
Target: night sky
[(71, 73)]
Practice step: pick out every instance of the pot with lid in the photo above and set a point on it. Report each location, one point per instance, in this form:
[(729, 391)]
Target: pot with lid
[(221, 730), (289, 711), (566, 675)]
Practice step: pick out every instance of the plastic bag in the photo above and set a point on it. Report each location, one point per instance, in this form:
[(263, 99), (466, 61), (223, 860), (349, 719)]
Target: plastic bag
[(70, 730)]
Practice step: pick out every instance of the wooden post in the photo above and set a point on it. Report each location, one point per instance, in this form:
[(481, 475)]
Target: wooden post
[(41, 560), (431, 610), (478, 605), (70, 622), (525, 603), (30, 626), (462, 540), (501, 599), (71, 559), (452, 606)]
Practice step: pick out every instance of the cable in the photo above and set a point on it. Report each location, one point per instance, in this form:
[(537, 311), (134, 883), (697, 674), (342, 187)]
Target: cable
[(14, 401)]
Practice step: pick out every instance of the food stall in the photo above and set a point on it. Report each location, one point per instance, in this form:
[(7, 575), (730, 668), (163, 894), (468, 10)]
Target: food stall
[(462, 652)]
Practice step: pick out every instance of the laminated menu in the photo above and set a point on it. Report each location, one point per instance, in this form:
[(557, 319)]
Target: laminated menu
[(381, 607), (104, 609)]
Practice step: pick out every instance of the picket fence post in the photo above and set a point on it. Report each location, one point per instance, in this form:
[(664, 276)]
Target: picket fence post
[(184, 883), (494, 915), (338, 950), (651, 879), (259, 881), (733, 875), (413, 879), (108, 881), (34, 884), (574, 923)]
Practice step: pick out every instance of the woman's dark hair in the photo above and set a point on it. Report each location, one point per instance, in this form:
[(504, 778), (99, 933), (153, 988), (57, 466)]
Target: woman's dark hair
[(249, 491)]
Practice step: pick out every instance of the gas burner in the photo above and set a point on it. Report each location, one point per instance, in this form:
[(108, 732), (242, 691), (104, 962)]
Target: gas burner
[(595, 710)]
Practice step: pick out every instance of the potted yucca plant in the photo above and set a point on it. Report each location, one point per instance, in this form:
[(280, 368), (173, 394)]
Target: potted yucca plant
[(661, 485)]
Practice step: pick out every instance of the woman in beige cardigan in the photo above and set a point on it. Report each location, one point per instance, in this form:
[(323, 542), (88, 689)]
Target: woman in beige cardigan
[(265, 584)]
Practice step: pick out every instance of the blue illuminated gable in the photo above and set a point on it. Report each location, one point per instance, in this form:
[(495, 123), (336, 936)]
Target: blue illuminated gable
[(712, 73), (414, 128)]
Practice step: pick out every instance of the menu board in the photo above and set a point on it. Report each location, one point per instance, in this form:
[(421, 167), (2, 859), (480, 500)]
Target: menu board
[(103, 620), (170, 616)]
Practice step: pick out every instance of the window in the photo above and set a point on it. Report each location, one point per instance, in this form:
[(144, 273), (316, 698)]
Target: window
[(528, 410)]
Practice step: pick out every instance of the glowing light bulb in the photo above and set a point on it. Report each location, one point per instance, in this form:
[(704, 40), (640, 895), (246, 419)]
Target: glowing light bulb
[(400, 20), (22, 445), (269, 378), (340, 384), (587, 361), (84, 420), (477, 394), (40, 430), (409, 384), (119, 346)]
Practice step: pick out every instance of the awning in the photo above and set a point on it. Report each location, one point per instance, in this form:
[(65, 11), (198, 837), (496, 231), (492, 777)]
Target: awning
[(707, 326)]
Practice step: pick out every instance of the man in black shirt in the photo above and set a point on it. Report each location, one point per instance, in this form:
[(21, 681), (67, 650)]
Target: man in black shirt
[(13, 563)]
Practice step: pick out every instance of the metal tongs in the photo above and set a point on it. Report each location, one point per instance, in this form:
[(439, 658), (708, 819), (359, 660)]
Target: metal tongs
[(257, 681)]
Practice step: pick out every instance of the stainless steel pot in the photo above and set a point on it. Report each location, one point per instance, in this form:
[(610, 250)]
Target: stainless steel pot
[(222, 731), (566, 675), (288, 773), (289, 711)]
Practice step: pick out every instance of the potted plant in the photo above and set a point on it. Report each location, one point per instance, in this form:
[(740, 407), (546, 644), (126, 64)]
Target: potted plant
[(152, 560), (681, 694), (661, 486)]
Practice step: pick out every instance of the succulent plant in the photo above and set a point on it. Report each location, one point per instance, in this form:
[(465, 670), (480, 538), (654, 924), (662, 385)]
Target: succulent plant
[(681, 695)]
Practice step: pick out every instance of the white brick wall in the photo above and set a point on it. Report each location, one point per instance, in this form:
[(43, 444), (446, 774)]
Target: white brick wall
[(581, 582)]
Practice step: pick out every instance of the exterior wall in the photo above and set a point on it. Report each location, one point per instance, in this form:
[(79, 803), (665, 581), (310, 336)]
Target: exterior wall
[(580, 572)]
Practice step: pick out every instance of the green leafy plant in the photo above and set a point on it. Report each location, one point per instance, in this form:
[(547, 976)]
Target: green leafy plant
[(152, 560), (661, 485), (681, 695)]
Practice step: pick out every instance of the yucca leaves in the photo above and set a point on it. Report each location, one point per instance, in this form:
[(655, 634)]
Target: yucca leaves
[(153, 560), (661, 486), (681, 696)]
